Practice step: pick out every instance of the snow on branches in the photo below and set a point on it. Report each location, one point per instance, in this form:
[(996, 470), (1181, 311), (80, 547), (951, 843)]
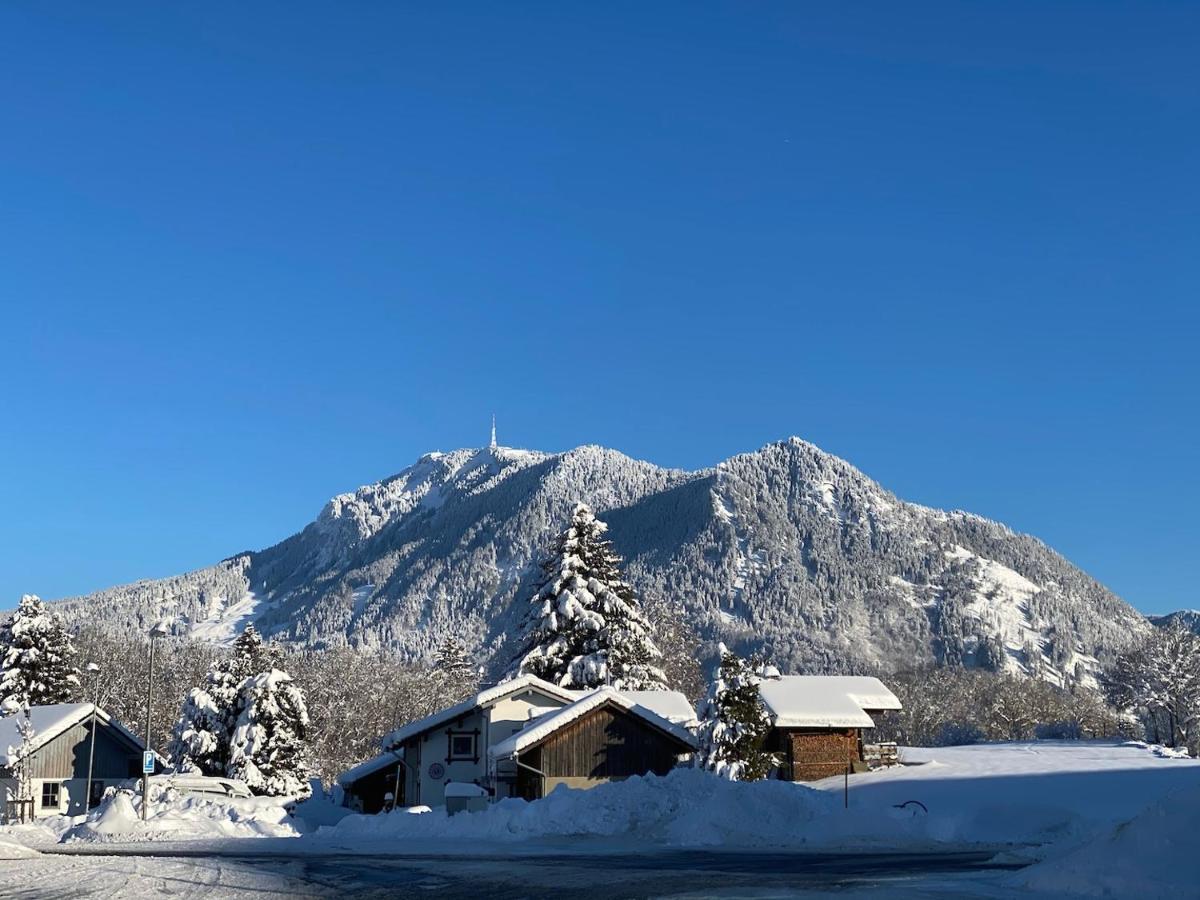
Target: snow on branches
[(38, 665), (586, 626), (248, 721), (1159, 679), (734, 723)]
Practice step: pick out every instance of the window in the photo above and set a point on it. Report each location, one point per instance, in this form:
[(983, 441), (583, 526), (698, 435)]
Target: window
[(97, 794), (50, 794), (462, 745)]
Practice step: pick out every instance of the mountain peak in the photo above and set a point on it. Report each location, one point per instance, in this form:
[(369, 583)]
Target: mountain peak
[(787, 549)]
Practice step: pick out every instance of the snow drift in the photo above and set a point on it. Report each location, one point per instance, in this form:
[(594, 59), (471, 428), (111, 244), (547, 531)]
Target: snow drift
[(177, 816)]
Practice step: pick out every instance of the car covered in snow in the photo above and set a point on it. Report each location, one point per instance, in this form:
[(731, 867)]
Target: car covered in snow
[(199, 785)]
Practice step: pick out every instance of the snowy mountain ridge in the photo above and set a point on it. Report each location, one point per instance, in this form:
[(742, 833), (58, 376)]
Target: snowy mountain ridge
[(787, 549)]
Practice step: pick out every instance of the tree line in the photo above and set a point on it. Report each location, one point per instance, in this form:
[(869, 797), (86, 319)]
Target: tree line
[(274, 716)]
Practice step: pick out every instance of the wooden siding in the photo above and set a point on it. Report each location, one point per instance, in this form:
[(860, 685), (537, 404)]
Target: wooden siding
[(810, 754), (608, 743), (66, 756)]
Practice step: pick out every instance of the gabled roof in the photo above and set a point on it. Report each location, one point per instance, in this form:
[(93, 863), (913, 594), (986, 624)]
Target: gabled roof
[(542, 728), (825, 701), (671, 705), (386, 760), (481, 700), (48, 723)]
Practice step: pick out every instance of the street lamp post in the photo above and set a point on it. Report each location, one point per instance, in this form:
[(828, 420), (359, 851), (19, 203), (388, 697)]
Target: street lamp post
[(157, 631), (93, 670)]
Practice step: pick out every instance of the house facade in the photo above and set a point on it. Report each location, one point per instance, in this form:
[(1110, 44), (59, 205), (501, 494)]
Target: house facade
[(453, 747), (604, 736), (817, 722), (58, 756)]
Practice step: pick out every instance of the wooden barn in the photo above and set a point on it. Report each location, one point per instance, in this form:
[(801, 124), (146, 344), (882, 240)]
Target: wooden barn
[(605, 736), (818, 721), (59, 755)]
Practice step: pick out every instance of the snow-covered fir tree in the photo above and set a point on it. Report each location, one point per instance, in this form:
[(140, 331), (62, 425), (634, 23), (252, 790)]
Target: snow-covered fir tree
[(248, 721), (38, 656), (586, 626), (268, 748), (734, 723)]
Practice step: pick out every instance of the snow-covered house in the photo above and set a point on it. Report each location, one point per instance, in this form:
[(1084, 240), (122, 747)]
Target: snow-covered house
[(817, 721), (457, 744), (605, 735), (57, 756)]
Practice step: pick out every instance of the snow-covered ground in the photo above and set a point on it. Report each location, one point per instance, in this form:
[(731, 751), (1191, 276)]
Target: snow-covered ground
[(1098, 814)]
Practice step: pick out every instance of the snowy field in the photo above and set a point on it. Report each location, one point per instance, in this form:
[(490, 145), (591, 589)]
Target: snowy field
[(1091, 818)]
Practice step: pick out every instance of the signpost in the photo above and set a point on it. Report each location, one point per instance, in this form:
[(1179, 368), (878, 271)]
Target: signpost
[(157, 631)]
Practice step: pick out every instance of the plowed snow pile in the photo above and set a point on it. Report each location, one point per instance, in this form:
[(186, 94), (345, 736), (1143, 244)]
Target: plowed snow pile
[(180, 817), (686, 807), (1152, 855)]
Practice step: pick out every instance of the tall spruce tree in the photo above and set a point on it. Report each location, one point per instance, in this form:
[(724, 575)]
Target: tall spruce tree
[(38, 657), (586, 627), (268, 747), (734, 723)]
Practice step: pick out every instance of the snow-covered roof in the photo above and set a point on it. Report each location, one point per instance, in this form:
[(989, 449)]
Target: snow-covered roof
[(540, 729), (48, 723), (387, 760), (482, 699), (671, 705), (825, 701)]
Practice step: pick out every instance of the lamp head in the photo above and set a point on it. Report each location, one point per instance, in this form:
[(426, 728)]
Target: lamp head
[(161, 629)]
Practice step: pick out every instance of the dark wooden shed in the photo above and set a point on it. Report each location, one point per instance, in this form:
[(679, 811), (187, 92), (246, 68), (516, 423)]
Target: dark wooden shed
[(601, 738)]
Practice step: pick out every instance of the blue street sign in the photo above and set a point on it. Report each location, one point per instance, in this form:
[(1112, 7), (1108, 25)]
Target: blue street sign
[(148, 762)]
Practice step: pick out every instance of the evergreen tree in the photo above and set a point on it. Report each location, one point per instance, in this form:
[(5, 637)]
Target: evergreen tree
[(456, 677), (734, 723), (586, 627), (248, 721), (38, 665), (200, 741), (268, 747)]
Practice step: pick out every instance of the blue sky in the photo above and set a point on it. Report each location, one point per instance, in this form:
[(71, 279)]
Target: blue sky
[(252, 256)]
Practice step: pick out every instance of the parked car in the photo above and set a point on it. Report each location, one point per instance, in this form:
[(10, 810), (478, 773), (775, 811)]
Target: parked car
[(199, 785)]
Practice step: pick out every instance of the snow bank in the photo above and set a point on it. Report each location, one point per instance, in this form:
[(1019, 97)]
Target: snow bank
[(16, 851), (687, 807), (1000, 794), (1033, 792), (179, 816), (1152, 855)]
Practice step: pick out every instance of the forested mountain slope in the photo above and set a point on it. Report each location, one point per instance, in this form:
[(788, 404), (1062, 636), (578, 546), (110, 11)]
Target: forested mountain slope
[(787, 549)]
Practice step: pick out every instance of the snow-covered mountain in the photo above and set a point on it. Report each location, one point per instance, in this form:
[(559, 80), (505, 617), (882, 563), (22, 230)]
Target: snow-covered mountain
[(788, 549), (1189, 618)]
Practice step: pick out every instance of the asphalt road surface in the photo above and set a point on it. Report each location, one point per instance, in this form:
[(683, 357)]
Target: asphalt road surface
[(600, 876)]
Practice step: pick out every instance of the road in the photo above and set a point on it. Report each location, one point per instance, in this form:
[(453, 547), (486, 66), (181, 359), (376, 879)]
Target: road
[(606, 876)]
